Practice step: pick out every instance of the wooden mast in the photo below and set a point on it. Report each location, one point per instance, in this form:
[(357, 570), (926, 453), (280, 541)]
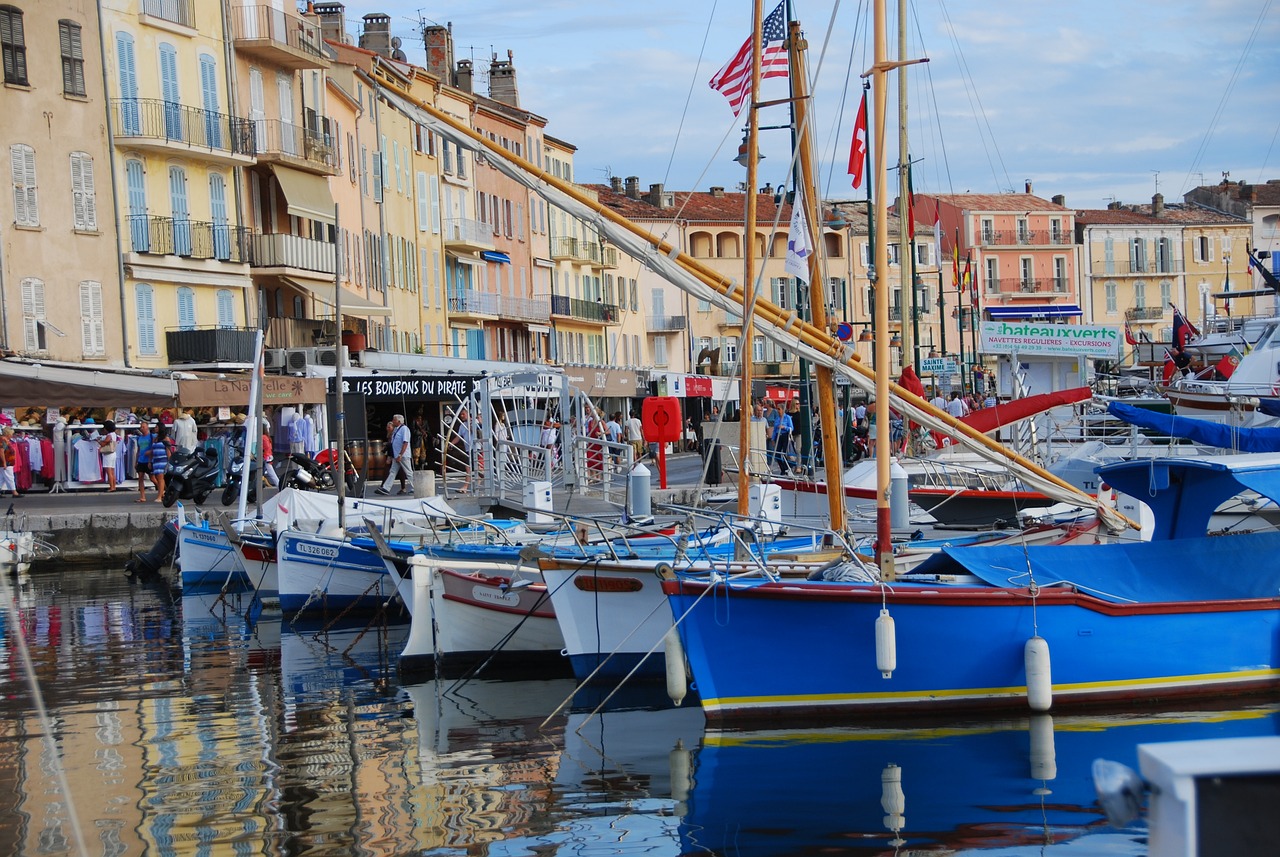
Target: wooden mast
[(817, 288), (748, 273), (880, 283)]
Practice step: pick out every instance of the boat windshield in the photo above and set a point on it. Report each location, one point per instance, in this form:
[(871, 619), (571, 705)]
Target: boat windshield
[(1268, 339)]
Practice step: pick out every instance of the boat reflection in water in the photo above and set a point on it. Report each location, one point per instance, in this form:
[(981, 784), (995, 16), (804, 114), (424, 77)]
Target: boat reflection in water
[(986, 785)]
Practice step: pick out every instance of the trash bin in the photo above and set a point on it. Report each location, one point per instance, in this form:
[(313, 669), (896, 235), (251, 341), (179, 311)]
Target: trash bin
[(711, 460)]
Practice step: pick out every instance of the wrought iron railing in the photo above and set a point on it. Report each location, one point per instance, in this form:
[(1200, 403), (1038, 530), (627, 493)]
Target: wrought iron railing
[(274, 137), (585, 310), (176, 11), (157, 119), (268, 23), (194, 239)]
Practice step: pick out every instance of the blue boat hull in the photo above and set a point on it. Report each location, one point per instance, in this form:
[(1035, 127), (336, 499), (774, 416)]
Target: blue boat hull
[(320, 574), (776, 651)]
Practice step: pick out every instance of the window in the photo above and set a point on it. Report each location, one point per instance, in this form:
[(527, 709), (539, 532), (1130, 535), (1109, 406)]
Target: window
[(226, 308), (1024, 231), (1059, 274), (1110, 289), (83, 202), (1055, 230), (33, 314), (1140, 295), (1204, 248), (1028, 280), (218, 214), (186, 308), (1164, 255), (1166, 294), (169, 91), (139, 233), (993, 275), (72, 58), (14, 45), (730, 350), (181, 214), (130, 115), (144, 304), (22, 165), (757, 349), (988, 231), (92, 339), (1137, 256)]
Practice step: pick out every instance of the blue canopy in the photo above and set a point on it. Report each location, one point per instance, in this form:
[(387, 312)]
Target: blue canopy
[(1209, 568), (1201, 431)]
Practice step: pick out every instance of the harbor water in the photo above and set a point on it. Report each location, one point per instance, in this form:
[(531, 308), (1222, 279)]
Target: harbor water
[(164, 725)]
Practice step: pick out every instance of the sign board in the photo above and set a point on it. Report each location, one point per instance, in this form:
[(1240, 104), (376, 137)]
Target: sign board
[(439, 388), (938, 365), (234, 392), (1037, 337)]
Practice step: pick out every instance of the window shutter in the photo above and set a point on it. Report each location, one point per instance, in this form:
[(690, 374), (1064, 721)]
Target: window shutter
[(424, 203), (186, 308), (433, 187), (91, 324), (378, 158), (32, 312), (146, 319), (226, 308), (84, 205), (17, 172)]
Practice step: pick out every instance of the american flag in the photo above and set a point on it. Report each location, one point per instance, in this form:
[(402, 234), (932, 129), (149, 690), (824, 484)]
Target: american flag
[(734, 80)]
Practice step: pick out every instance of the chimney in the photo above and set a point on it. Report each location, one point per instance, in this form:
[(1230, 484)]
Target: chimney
[(1157, 205), (615, 184), (376, 35), (767, 189), (1028, 186), (655, 195), (439, 44), (633, 187), (1115, 205), (462, 79), (717, 193), (502, 81), (1059, 199), (332, 16)]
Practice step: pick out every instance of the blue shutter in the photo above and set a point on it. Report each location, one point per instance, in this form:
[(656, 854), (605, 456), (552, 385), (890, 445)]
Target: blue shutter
[(226, 308), (146, 319), (130, 124), (139, 232), (181, 214), (209, 89), (218, 212), (169, 91), (186, 308)]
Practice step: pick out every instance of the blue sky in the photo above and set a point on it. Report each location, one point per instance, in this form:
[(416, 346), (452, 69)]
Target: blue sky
[(1094, 100)]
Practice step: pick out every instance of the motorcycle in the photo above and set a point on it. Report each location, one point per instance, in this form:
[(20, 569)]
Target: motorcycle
[(309, 475), (190, 476), (231, 491)]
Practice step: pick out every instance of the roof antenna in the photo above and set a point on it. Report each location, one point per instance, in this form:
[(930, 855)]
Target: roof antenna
[(1157, 175)]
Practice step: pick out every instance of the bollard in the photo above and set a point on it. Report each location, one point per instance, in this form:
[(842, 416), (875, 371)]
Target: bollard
[(899, 501), (639, 499)]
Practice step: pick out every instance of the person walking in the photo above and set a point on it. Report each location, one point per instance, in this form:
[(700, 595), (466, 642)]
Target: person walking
[(401, 457), (782, 440), (635, 435), (159, 460), (142, 465)]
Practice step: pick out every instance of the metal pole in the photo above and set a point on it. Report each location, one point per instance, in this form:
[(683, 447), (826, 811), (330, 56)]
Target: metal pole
[(880, 283), (748, 273), (339, 397)]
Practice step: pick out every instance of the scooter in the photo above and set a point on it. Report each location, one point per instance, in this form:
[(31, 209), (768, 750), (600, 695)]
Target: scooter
[(190, 476), (231, 491), (309, 475)]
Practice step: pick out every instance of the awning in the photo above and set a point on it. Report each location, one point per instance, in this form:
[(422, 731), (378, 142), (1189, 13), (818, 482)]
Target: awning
[(495, 256), (35, 384), (351, 304), (306, 195), (1033, 311)]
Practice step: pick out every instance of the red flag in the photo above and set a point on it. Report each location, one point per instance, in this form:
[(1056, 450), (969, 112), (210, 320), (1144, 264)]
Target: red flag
[(734, 80), (1128, 335), (858, 149), (1170, 368), (968, 278), (1228, 363)]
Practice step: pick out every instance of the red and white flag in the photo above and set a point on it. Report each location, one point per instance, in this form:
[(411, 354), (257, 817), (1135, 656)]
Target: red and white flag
[(858, 149), (734, 80)]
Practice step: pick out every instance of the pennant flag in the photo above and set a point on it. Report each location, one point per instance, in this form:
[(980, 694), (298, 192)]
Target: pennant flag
[(955, 263), (1169, 367), (182, 514), (734, 80), (937, 229), (799, 248), (968, 279), (1128, 335), (1183, 330), (858, 148), (1228, 363)]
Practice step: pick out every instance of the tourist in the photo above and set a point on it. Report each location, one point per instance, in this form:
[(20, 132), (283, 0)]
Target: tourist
[(956, 407), (939, 401), (547, 440), (268, 456), (613, 433), (401, 457), (159, 460), (783, 426), (635, 435), (595, 451), (142, 465), (108, 443)]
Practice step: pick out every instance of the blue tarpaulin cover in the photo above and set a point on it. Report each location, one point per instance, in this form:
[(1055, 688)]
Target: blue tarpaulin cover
[(1200, 431)]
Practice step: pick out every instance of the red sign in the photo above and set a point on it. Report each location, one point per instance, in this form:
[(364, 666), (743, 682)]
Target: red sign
[(697, 385), (781, 394)]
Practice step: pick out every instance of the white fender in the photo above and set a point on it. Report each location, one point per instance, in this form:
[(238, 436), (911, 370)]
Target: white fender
[(677, 680), (886, 645), (1039, 675)]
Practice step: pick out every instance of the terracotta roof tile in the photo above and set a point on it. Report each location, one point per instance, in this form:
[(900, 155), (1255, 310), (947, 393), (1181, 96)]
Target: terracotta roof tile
[(997, 201)]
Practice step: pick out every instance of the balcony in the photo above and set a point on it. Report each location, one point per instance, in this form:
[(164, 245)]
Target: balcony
[(667, 323), (474, 304), (463, 233), (210, 345), (1023, 238), (297, 332), (581, 310), (276, 37), (296, 146), (1131, 267), (728, 319), (180, 12), (192, 239), (282, 250), (570, 250), (525, 309), (1016, 287), (170, 128), (608, 257), (1144, 313)]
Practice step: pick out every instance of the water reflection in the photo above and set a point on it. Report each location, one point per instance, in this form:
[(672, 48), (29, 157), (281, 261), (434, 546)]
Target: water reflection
[(203, 725)]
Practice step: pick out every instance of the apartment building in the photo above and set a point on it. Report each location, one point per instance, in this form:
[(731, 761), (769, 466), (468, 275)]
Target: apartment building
[(60, 279)]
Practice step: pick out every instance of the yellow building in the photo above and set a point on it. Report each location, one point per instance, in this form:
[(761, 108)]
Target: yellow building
[(177, 146), (60, 284)]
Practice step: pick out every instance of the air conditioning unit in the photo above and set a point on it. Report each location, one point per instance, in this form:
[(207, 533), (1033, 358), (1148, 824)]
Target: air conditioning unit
[(330, 356), (298, 359), (273, 359)]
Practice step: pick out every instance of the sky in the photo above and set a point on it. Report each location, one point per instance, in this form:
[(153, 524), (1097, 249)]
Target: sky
[(1097, 101)]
